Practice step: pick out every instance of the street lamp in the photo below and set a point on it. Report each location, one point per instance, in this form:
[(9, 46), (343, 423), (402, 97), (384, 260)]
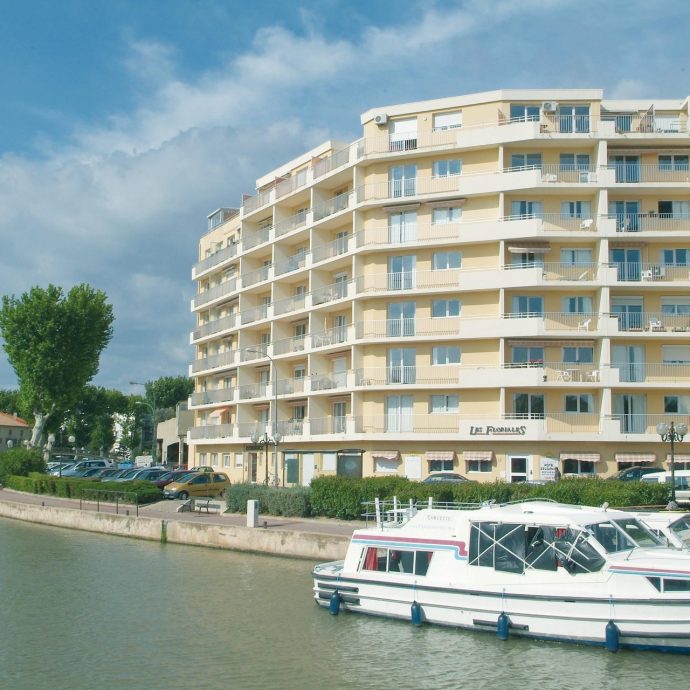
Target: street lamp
[(672, 433), (152, 405), (256, 439)]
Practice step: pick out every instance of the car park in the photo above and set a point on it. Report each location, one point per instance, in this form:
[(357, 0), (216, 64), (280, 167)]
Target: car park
[(198, 484), (452, 477)]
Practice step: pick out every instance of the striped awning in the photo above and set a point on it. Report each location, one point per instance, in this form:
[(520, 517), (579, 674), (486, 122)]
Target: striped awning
[(678, 457), (386, 454), (219, 411), (584, 457), (636, 458), (529, 248), (474, 455), (444, 455), (551, 343)]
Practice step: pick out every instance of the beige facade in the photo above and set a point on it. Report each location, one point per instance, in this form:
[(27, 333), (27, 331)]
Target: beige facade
[(13, 431), (495, 284)]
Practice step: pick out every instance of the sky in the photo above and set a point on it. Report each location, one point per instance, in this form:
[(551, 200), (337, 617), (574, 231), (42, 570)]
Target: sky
[(126, 122)]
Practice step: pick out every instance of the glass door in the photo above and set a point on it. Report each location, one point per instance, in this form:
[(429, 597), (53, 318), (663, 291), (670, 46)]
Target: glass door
[(518, 468), (399, 413), (629, 313), (402, 227), (627, 262), (401, 319), (632, 412), (630, 362), (627, 168), (402, 180), (401, 272), (627, 215), (402, 365)]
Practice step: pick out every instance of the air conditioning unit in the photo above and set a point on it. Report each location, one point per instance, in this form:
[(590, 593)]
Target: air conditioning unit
[(549, 107), (381, 119)]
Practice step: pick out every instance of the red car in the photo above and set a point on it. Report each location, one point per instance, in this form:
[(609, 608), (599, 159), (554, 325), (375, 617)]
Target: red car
[(168, 477)]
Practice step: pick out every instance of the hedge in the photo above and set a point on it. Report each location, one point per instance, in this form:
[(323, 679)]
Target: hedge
[(342, 497), (71, 487)]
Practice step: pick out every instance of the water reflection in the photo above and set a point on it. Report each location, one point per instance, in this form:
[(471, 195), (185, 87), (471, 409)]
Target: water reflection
[(82, 611)]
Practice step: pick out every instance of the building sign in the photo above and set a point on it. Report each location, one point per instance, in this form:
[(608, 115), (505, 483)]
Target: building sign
[(547, 468), (498, 430)]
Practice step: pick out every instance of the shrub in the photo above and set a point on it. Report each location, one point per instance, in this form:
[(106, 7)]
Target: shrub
[(20, 462), (290, 502)]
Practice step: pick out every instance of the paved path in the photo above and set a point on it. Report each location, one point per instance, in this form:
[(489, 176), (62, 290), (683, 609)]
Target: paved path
[(167, 510)]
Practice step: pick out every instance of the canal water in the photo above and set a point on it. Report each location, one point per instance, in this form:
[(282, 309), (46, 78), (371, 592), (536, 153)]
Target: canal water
[(81, 611)]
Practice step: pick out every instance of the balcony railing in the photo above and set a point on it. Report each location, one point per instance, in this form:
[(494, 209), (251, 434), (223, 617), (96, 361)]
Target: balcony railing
[(331, 249), (291, 427), (650, 222), (403, 328), (254, 314), (646, 123), (646, 423), (222, 359), (652, 372), (253, 277), (210, 431), (215, 292), (409, 280), (292, 263), (414, 186), (330, 293), (290, 184), (321, 382), (289, 345), (253, 390), (654, 322), (213, 396), (331, 336), (290, 224), (561, 321), (215, 326), (627, 173), (215, 259), (563, 271), (331, 206), (556, 221), (283, 306), (627, 271), (325, 165), (289, 386), (253, 239)]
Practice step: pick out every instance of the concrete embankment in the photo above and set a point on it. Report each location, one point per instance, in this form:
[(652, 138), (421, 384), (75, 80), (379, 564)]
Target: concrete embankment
[(315, 541)]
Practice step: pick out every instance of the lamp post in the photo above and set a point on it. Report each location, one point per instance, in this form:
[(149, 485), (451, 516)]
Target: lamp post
[(152, 405), (672, 433), (276, 435)]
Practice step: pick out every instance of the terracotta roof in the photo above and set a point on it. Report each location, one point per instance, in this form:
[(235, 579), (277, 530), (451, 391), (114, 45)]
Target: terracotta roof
[(11, 420)]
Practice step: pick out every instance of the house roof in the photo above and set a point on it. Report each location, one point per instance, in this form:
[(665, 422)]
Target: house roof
[(12, 420)]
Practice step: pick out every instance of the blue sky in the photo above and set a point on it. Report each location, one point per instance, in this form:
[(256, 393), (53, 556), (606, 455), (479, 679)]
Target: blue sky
[(125, 122)]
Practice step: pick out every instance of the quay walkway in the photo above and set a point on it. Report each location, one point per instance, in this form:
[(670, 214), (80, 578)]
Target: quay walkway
[(312, 538)]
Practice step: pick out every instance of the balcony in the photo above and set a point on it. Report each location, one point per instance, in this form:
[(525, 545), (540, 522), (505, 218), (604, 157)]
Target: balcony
[(407, 328), (662, 373), (284, 306), (335, 160), (215, 326), (254, 314), (250, 278), (645, 123), (212, 396), (329, 425), (287, 225), (289, 345), (223, 359), (650, 222), (644, 423), (330, 293), (253, 390), (328, 382), (290, 386), (214, 260), (653, 322), (254, 239), (216, 292), (338, 247), (331, 206), (211, 431), (411, 280), (411, 187), (292, 263)]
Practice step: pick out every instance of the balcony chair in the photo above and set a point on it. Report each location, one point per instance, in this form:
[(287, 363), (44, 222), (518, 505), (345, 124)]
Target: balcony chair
[(584, 325)]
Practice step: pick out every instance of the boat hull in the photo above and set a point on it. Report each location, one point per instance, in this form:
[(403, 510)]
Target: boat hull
[(641, 624)]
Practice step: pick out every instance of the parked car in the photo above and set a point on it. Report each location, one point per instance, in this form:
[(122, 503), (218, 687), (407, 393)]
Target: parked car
[(435, 477), (107, 473), (201, 468), (60, 468), (86, 464), (198, 484), (151, 474), (169, 477), (129, 474), (634, 473), (682, 478)]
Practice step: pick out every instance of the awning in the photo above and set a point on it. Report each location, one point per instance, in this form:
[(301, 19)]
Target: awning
[(636, 458), (474, 455), (529, 248), (219, 411), (443, 455), (583, 457), (551, 343), (678, 457), (386, 454)]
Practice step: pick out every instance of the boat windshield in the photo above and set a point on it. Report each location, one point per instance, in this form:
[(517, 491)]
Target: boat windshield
[(681, 528), (623, 535)]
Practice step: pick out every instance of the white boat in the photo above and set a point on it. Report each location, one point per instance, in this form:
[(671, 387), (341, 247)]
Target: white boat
[(538, 569), (674, 527)]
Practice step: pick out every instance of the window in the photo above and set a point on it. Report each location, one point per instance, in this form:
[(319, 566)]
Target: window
[(239, 460), (447, 168), (440, 465), (402, 180), (674, 209), (226, 459), (338, 412), (676, 404), (525, 161), (450, 214), (441, 308), (299, 372), (520, 112), (574, 466), (577, 305), (674, 257), (214, 459), (385, 465), (528, 356), (578, 355), (676, 354), (299, 330), (528, 406), (573, 118), (576, 209), (528, 305), (575, 257), (579, 403), (482, 465), (402, 227), (451, 120), (399, 415), (675, 305), (526, 209), (445, 354), (574, 162), (671, 162), (444, 404), (403, 134), (202, 459), (396, 560), (442, 261)]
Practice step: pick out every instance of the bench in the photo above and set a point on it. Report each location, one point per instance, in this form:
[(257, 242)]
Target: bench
[(205, 502)]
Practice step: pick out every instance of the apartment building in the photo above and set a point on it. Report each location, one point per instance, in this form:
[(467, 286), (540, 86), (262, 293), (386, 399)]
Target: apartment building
[(495, 284)]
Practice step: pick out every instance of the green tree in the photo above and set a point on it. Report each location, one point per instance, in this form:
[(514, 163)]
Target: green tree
[(9, 402), (54, 343), (167, 391), (20, 461)]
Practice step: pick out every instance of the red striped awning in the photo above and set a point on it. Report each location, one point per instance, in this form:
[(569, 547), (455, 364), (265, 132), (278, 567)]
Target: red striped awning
[(636, 458), (219, 411), (584, 457), (678, 457), (435, 455), (474, 455)]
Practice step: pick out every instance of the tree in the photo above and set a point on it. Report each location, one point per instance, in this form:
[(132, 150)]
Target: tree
[(54, 343), (9, 401), (168, 391)]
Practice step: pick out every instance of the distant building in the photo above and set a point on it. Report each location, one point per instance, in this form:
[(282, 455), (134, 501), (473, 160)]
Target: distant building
[(495, 284), (171, 436), (13, 431)]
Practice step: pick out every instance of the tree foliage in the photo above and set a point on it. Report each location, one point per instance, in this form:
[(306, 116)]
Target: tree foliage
[(20, 461), (10, 403), (167, 391), (54, 343)]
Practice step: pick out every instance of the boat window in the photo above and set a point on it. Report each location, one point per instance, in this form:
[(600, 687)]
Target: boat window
[(501, 546), (622, 535), (681, 528), (676, 585), (656, 581), (639, 532), (575, 553), (396, 560)]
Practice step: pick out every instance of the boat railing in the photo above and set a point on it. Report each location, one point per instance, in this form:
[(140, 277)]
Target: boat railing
[(394, 512)]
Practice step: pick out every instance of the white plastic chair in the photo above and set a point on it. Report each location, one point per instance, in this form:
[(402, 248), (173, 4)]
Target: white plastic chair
[(584, 325)]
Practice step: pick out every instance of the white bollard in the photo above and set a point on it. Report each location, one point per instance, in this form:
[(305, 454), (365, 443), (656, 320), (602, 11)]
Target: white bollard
[(252, 513)]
